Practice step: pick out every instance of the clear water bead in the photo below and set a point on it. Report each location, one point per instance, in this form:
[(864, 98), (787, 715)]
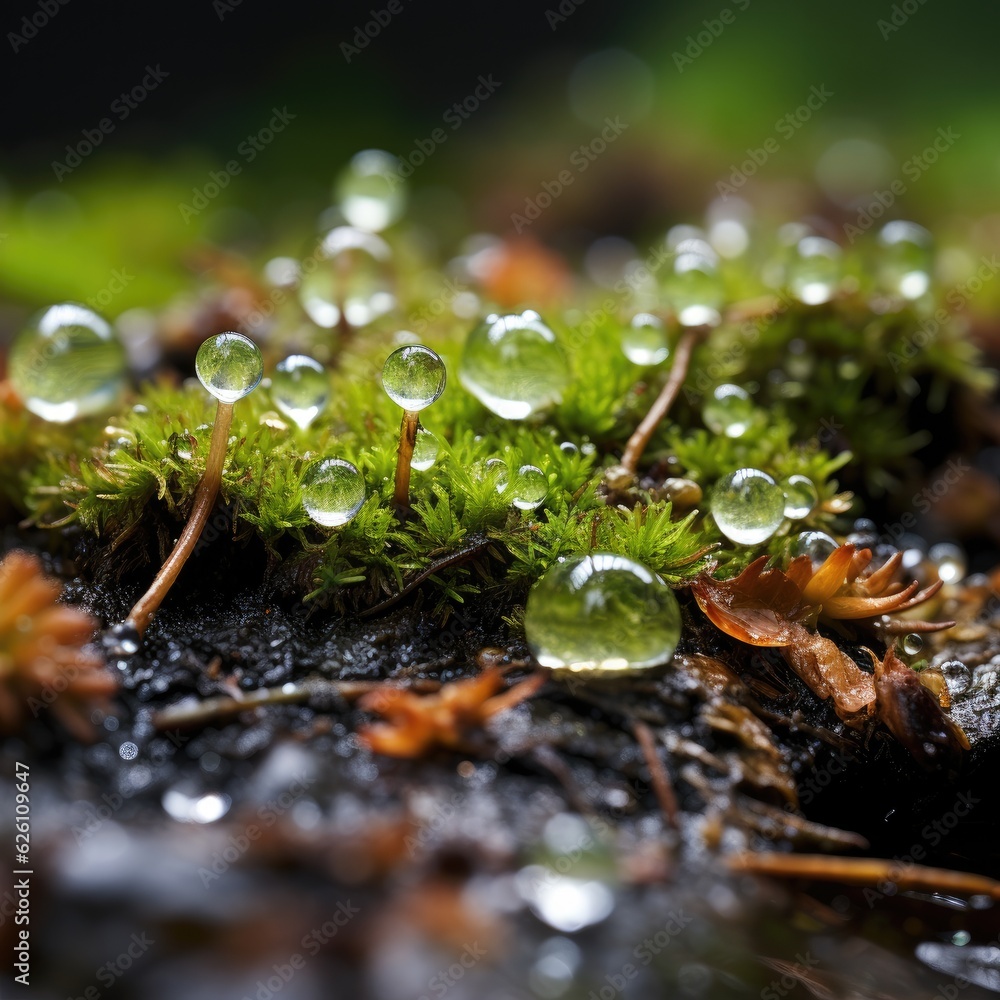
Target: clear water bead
[(911, 644), (300, 388), (370, 192), (425, 450), (67, 363), (529, 487), (817, 545), (601, 612), (644, 340), (800, 497), (513, 365), (693, 285), (814, 271), (333, 491), (949, 561), (748, 506), (905, 258), (729, 410), (229, 366), (413, 377), (351, 277)]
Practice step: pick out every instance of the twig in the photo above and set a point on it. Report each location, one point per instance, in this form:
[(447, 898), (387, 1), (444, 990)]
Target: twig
[(662, 787)]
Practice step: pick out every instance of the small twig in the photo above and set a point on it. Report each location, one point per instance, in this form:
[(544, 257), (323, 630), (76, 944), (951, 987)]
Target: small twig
[(662, 787), (641, 435), (864, 871)]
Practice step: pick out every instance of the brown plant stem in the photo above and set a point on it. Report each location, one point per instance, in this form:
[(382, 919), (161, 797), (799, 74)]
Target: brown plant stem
[(204, 500), (407, 439), (641, 435)]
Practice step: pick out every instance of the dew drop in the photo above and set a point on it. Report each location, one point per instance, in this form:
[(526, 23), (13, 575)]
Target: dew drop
[(800, 497), (817, 545), (601, 612), (949, 560), (370, 192), (352, 278), (693, 285), (333, 491), (729, 410), (644, 340), (814, 271), (229, 366), (513, 365), (569, 448), (904, 264), (529, 487), (957, 676), (911, 644), (300, 389), (425, 450), (67, 363), (748, 506), (413, 377)]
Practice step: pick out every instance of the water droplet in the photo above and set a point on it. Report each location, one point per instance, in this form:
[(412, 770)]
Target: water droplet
[(961, 938), (956, 675), (300, 388), (121, 640), (949, 560), (413, 377), (601, 612), (565, 903), (188, 807), (513, 365), (229, 366), (568, 448), (748, 506), (729, 410), (370, 192), (911, 644), (904, 262), (644, 340), (817, 545), (814, 271), (352, 278), (529, 487), (66, 363), (693, 286), (128, 751), (425, 450), (333, 491), (800, 497)]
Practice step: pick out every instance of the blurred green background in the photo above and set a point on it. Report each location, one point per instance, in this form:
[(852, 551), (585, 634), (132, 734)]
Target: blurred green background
[(700, 86)]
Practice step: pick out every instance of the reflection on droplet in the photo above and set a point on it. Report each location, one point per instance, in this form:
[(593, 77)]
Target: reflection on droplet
[(333, 491), (229, 366), (814, 271), (188, 808), (128, 751), (748, 506), (644, 340), (949, 561), (905, 260), (300, 388), (565, 903), (370, 191)]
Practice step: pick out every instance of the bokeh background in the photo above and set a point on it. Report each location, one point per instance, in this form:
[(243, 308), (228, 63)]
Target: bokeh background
[(697, 87)]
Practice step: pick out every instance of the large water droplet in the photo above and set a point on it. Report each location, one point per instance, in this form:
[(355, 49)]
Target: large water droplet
[(413, 377), (370, 192), (949, 561), (229, 366), (513, 365), (693, 286), (748, 506), (67, 363), (333, 491), (911, 644), (904, 263), (817, 545), (425, 450), (601, 612), (300, 388), (800, 497), (644, 340), (729, 410), (351, 277), (814, 271), (957, 676), (529, 487)]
